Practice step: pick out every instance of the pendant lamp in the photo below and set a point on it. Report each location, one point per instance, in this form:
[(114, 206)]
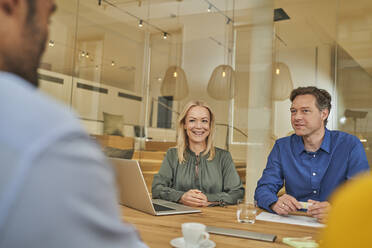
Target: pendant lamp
[(221, 82), (282, 82), (175, 83)]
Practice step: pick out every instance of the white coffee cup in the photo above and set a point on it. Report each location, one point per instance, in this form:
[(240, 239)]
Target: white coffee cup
[(194, 234)]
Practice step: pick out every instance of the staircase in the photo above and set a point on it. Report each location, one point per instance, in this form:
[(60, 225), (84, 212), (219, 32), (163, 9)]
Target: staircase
[(150, 163)]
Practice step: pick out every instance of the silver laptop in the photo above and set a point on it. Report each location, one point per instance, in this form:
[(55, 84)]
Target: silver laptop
[(133, 191)]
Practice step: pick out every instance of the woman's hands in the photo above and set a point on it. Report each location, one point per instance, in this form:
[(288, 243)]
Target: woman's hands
[(194, 198)]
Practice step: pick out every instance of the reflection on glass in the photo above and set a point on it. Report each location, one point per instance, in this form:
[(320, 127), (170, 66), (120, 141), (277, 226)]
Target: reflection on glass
[(114, 58)]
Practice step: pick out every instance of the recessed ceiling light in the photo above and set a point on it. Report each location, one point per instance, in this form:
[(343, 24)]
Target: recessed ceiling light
[(51, 43)]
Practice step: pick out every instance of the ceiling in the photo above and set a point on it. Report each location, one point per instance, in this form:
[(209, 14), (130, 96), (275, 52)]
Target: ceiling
[(343, 22)]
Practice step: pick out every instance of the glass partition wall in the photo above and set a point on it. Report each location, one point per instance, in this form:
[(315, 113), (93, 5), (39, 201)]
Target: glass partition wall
[(127, 68), (353, 57)]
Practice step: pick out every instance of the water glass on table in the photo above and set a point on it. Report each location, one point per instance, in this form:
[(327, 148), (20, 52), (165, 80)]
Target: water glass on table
[(246, 211)]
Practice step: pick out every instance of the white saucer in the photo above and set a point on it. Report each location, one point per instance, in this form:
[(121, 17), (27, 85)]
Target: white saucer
[(180, 243)]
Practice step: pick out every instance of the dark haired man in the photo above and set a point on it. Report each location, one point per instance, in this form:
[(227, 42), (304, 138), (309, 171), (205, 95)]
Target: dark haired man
[(56, 189), (311, 163)]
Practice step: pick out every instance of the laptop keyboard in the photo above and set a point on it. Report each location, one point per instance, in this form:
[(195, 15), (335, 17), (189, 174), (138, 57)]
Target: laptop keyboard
[(159, 208)]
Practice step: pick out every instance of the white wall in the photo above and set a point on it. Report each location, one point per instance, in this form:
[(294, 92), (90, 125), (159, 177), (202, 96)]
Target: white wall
[(61, 92), (90, 104), (305, 71), (199, 55)]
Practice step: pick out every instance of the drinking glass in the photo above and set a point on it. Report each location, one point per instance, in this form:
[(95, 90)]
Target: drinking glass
[(246, 211)]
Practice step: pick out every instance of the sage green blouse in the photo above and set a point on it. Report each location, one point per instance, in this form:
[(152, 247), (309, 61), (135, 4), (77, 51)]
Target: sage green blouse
[(217, 179)]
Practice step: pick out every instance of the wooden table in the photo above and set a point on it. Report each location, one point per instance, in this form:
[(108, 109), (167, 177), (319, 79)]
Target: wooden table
[(157, 231)]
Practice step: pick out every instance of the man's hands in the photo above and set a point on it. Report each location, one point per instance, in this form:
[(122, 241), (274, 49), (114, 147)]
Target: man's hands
[(319, 210), (194, 198), (316, 209), (285, 205)]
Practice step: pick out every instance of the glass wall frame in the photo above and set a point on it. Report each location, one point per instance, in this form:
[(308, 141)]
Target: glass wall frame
[(99, 59)]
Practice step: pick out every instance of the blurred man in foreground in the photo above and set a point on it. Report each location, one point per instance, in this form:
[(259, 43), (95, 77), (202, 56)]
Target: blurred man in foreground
[(56, 189)]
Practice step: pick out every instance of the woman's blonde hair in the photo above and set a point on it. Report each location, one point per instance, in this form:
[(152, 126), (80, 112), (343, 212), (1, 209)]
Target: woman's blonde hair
[(182, 139)]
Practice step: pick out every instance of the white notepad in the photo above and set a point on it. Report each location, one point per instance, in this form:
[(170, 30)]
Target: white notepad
[(290, 219)]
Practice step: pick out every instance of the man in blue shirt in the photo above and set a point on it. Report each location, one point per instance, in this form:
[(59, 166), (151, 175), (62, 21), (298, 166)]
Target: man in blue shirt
[(311, 163), (56, 188)]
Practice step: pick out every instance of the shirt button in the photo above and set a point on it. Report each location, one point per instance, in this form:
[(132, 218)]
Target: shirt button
[(314, 156), (314, 191), (314, 174)]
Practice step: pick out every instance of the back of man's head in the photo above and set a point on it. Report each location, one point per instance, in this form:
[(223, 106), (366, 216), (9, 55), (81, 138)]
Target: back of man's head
[(31, 9), (24, 31)]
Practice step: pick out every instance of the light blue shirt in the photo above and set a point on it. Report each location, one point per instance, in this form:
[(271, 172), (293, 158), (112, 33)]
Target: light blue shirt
[(310, 175), (56, 188)]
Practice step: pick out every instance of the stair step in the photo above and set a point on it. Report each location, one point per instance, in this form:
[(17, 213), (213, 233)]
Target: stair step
[(149, 177), (240, 163), (159, 145), (149, 155), (241, 173), (150, 164)]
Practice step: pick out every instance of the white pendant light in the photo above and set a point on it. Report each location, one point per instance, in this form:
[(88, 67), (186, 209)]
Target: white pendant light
[(282, 82), (221, 82), (175, 83)]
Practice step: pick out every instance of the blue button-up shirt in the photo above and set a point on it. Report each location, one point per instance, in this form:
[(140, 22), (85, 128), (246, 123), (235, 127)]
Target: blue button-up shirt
[(310, 175)]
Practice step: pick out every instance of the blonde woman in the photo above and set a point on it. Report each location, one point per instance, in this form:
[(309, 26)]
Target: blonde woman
[(196, 173)]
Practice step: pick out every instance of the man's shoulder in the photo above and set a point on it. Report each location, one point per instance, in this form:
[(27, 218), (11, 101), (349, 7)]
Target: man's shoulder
[(28, 115), (285, 140), (343, 137), (339, 133)]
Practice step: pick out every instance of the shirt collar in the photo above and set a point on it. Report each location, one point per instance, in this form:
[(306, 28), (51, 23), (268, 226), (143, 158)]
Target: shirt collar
[(16, 79), (325, 146), (298, 144), (326, 143)]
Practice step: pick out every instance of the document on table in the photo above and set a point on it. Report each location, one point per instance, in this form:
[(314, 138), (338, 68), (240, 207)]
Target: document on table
[(290, 219)]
